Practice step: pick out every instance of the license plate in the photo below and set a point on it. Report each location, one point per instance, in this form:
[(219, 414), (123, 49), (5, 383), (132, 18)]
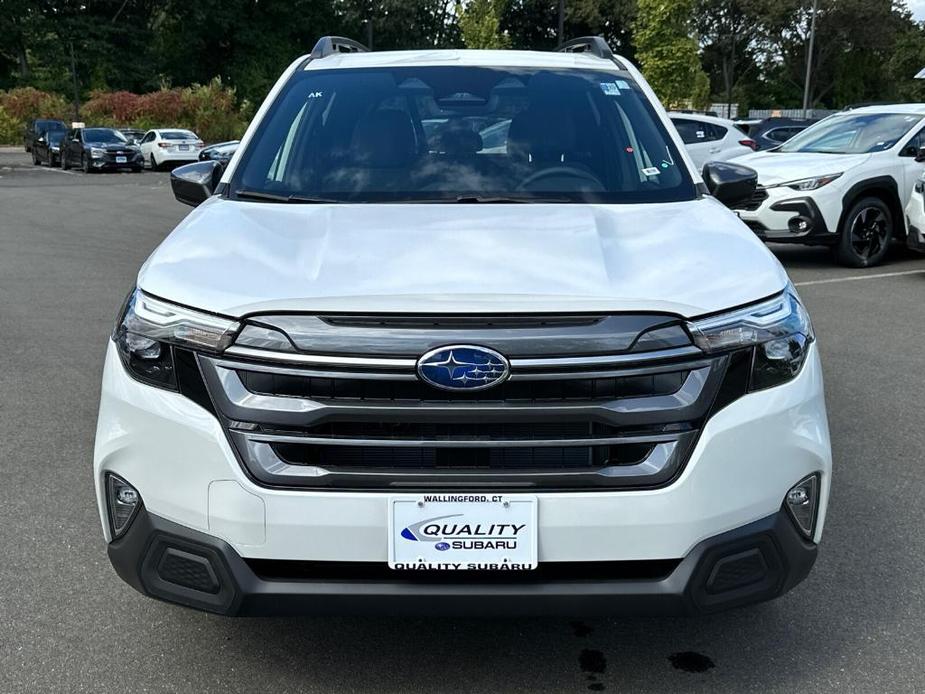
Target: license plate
[(463, 532), (184, 148), (121, 160)]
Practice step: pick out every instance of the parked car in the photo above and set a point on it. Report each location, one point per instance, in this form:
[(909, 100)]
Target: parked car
[(132, 135), (842, 182), (220, 152), (711, 139), (160, 147), (35, 128), (372, 375), (47, 148), (772, 132), (915, 213), (99, 149)]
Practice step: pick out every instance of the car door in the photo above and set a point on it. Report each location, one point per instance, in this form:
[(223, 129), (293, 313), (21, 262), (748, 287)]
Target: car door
[(146, 143), (696, 138), (912, 170)]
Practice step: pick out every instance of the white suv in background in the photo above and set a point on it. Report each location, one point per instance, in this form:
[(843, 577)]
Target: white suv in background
[(708, 138), (383, 368), (170, 145), (843, 182)]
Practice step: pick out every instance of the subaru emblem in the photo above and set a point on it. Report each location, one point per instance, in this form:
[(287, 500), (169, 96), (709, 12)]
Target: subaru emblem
[(463, 367)]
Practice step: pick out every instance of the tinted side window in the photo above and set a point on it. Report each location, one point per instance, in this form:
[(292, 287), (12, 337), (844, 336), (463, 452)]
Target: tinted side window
[(916, 143), (690, 131), (715, 132)]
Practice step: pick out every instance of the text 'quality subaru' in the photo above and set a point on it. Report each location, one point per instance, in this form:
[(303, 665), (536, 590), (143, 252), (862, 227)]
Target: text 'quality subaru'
[(462, 332)]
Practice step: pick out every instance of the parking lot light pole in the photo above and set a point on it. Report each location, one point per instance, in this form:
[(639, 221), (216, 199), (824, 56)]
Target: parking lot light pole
[(809, 58)]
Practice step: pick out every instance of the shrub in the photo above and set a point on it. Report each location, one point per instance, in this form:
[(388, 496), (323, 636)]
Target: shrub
[(110, 108), (26, 103), (211, 110), (10, 128)]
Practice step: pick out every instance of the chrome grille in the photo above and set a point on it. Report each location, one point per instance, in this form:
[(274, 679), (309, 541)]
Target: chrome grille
[(563, 421)]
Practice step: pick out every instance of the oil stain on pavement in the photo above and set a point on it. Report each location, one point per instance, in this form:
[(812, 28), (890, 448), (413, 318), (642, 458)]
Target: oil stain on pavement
[(690, 661)]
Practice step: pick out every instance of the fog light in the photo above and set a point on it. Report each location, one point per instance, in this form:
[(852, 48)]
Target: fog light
[(801, 501), (124, 502)]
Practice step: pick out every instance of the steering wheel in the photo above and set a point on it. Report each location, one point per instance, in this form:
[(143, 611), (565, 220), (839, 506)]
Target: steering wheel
[(566, 171)]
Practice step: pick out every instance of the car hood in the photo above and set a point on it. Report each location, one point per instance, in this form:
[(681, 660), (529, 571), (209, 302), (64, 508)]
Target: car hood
[(780, 167), (685, 258)]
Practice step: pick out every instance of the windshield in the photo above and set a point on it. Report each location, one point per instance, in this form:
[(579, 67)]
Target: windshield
[(462, 134), (852, 134), (55, 136), (177, 135), (103, 136)]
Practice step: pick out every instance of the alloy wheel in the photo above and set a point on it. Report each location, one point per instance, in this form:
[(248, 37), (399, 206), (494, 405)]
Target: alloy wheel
[(869, 231)]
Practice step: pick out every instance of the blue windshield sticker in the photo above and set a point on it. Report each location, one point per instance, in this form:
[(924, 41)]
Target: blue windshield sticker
[(610, 88)]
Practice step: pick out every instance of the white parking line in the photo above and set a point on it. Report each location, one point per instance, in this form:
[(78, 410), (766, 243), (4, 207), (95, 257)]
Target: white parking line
[(852, 278)]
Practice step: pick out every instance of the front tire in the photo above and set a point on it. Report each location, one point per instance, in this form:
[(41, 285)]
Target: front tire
[(865, 234), (84, 164), (35, 159), (153, 163), (65, 165)]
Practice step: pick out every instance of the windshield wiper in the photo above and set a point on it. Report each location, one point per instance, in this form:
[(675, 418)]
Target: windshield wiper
[(276, 197)]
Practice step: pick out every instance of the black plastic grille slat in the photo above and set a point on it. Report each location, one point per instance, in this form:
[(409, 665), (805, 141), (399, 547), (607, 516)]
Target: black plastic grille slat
[(487, 458), (283, 570), (578, 389), (753, 203), (461, 322), (436, 431)]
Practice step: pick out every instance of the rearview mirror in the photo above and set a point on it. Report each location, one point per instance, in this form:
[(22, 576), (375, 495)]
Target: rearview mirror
[(731, 184), (193, 184)]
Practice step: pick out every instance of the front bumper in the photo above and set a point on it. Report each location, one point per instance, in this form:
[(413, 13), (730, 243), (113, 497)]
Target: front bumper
[(109, 162), (177, 455), (787, 216), (164, 560), (915, 221)]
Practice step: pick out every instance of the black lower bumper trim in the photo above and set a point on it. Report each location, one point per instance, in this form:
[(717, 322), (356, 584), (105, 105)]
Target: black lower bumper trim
[(756, 562), (807, 225)]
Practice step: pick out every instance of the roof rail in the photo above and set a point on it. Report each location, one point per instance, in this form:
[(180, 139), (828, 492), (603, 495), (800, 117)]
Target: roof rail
[(596, 45), (329, 45)]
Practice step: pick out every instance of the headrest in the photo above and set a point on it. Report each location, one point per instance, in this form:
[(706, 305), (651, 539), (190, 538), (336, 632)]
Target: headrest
[(384, 139)]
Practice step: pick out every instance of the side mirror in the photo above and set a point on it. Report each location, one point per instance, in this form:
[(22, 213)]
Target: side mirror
[(41, 139), (731, 184), (194, 183), (920, 154)]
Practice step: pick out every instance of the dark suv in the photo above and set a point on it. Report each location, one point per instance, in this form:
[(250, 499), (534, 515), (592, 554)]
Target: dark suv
[(37, 127), (99, 149)]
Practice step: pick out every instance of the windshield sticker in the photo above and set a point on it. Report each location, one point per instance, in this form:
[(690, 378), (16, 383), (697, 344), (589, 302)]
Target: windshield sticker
[(651, 171), (622, 84), (700, 134), (610, 88)]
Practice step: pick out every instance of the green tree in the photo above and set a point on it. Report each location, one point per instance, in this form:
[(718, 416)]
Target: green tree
[(667, 51), (480, 24)]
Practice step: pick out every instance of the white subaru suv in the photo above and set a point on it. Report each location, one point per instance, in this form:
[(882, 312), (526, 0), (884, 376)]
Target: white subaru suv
[(462, 332), (843, 182)]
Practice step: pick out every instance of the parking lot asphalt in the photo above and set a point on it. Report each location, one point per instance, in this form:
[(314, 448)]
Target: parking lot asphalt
[(70, 246)]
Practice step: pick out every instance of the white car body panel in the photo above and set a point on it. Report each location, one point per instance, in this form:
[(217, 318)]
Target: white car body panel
[(724, 149), (234, 258)]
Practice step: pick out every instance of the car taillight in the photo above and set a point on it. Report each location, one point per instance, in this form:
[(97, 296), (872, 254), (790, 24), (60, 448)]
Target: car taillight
[(747, 142), (165, 145), (200, 144)]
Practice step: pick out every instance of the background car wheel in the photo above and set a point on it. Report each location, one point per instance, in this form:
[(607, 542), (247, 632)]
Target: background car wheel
[(153, 163), (35, 159), (64, 163), (865, 234), (84, 164)]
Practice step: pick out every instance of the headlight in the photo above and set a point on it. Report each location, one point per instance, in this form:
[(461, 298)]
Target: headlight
[(808, 183), (150, 328), (778, 330), (55, 148), (97, 152)]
